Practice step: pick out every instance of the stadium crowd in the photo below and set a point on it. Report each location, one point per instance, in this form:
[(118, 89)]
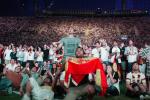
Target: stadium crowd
[(40, 31), (44, 64), (37, 56)]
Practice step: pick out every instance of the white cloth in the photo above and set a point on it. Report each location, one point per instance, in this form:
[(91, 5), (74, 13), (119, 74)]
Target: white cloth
[(11, 67), (95, 52), (20, 55), (25, 56), (117, 51), (62, 76), (132, 53), (7, 54), (142, 68), (30, 56), (40, 56), (104, 52), (51, 54), (39, 93)]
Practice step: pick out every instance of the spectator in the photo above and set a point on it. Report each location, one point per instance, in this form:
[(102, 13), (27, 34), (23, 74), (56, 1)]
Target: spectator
[(131, 52), (12, 65), (135, 82), (13, 54), (113, 82), (39, 57), (70, 44), (104, 53), (45, 52), (7, 54), (96, 50)]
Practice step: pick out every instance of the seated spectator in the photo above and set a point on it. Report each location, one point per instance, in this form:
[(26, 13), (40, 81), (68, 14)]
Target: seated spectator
[(11, 66), (42, 91), (38, 93), (5, 83), (83, 86), (135, 82), (113, 82), (145, 54)]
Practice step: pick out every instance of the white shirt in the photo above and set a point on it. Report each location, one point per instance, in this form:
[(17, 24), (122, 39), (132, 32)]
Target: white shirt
[(40, 56), (117, 50), (95, 52), (131, 53), (7, 54), (51, 54), (11, 67), (38, 92), (62, 76), (30, 56), (20, 55), (104, 52), (135, 77), (25, 56)]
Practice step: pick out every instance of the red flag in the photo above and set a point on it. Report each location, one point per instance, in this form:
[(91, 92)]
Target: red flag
[(77, 68)]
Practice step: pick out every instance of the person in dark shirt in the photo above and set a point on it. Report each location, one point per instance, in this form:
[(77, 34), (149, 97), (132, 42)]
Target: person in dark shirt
[(123, 60), (46, 53), (13, 54)]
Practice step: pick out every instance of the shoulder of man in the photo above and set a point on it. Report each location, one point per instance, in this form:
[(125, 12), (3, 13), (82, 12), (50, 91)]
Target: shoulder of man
[(129, 75)]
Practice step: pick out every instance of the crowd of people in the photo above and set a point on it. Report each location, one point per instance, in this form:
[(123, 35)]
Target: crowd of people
[(34, 54), (22, 30), (43, 66)]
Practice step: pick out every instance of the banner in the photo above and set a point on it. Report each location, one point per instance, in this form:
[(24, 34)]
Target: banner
[(77, 68)]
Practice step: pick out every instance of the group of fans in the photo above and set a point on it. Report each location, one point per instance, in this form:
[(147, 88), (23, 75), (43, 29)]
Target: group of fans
[(40, 72)]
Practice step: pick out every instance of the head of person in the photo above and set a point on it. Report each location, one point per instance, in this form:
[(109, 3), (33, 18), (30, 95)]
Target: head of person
[(122, 44), (18, 69), (9, 47), (44, 63), (45, 46), (130, 43), (97, 44), (36, 64), (12, 61), (109, 69), (79, 52), (70, 35), (14, 49), (115, 43), (135, 67)]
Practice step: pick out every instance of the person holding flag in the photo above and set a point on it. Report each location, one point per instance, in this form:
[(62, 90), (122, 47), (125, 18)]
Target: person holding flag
[(84, 76)]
